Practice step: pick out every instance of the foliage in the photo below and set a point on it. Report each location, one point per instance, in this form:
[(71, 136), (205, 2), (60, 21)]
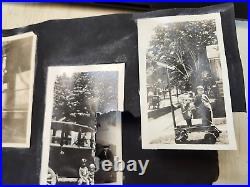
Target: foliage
[(182, 46), (80, 96)]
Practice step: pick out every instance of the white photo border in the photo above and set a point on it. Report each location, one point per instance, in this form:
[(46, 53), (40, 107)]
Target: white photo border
[(53, 71), (32, 77), (143, 42)]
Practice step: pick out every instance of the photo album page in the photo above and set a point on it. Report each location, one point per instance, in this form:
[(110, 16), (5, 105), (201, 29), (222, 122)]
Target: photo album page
[(119, 99)]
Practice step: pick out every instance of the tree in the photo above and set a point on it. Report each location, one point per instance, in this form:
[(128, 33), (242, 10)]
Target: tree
[(61, 92), (79, 97), (182, 45), (106, 92), (78, 100)]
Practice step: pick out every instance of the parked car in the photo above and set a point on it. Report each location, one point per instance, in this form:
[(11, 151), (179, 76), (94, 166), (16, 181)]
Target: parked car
[(70, 143), (154, 101)]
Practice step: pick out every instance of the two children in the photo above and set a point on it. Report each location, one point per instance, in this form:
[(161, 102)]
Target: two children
[(86, 175), (201, 104)]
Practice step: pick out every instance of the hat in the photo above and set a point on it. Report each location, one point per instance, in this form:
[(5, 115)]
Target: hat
[(200, 87), (106, 146), (84, 160), (92, 165)]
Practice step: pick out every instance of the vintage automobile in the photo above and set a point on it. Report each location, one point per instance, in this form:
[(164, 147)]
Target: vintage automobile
[(70, 143), (154, 101)]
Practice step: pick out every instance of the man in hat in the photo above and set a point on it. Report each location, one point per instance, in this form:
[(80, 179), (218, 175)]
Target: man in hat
[(203, 106), (106, 154)]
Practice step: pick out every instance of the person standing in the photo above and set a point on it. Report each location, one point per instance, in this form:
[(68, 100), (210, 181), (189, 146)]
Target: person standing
[(83, 173), (92, 174), (186, 110), (203, 106)]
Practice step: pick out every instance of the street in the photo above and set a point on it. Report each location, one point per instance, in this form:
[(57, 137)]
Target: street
[(161, 130), (165, 103)]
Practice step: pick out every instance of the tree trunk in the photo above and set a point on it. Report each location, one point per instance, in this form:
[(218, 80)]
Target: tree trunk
[(177, 94)]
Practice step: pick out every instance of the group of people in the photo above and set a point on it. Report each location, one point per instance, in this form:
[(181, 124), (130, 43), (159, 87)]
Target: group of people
[(86, 174), (73, 138), (198, 104), (86, 139)]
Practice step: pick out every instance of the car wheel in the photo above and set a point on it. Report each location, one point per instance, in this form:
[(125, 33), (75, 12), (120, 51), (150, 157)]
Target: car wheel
[(181, 137), (210, 138), (51, 177), (216, 132)]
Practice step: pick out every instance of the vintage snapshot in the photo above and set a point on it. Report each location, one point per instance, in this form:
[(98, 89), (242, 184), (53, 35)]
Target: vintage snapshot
[(77, 98), (18, 64), (108, 147), (184, 87)]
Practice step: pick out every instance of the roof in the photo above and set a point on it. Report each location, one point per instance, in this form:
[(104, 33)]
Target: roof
[(70, 126)]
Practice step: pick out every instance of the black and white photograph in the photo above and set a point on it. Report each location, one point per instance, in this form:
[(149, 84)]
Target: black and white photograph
[(184, 87), (18, 64), (108, 147), (76, 98)]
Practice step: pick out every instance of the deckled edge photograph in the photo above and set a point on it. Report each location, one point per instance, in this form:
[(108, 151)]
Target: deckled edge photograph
[(69, 72), (18, 72), (167, 96)]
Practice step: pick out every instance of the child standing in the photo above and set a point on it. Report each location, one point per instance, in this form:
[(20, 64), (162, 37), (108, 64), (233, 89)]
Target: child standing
[(186, 109), (83, 173), (91, 174)]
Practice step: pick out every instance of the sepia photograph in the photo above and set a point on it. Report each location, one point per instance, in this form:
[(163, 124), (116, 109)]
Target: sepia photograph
[(76, 98), (184, 87), (18, 69)]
